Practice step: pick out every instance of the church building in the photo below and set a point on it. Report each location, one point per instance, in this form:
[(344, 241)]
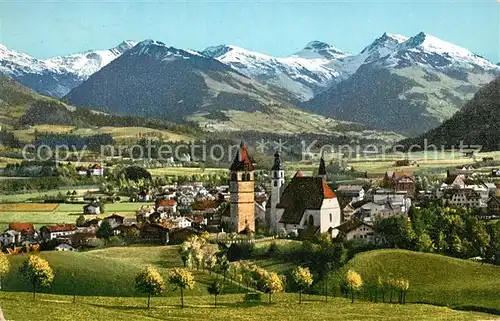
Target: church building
[(305, 204)]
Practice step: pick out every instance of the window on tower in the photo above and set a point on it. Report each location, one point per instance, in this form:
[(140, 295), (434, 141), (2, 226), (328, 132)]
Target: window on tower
[(275, 183)]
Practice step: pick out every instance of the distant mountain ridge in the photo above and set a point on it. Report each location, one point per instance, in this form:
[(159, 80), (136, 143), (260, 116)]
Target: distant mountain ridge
[(57, 76), (399, 83), (409, 85), (477, 123)]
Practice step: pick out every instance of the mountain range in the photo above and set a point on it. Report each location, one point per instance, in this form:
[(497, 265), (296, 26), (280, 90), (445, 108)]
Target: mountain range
[(396, 83), (477, 123)]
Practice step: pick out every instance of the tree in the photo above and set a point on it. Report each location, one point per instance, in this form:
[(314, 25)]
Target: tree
[(215, 289), (136, 173), (223, 265), (303, 279), (150, 282), (105, 231), (37, 271), (354, 282), (272, 284), (182, 279), (4, 266), (80, 221)]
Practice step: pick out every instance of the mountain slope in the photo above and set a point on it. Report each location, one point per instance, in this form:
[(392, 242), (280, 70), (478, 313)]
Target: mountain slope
[(409, 86), (155, 80), (477, 123), (57, 76), (23, 111), (301, 75)]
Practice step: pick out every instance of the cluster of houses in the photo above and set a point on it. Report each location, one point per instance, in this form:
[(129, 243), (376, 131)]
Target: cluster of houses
[(91, 170), (303, 206)]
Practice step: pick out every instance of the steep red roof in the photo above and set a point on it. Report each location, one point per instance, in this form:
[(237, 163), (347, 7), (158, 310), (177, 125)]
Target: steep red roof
[(167, 202), (22, 227), (299, 174), (327, 191), (61, 228), (242, 161)]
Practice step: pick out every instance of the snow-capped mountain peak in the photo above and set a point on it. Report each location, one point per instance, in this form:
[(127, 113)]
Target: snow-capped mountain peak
[(384, 45), (301, 76), (320, 50), (451, 54)]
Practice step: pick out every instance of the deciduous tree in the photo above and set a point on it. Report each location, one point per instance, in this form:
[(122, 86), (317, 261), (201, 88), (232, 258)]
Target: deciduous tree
[(150, 282), (182, 279), (354, 282), (37, 271), (303, 279)]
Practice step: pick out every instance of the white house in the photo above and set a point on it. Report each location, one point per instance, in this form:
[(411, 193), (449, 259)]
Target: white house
[(354, 193), (52, 232), (64, 247), (92, 208), (355, 230), (10, 237), (182, 222), (464, 197)]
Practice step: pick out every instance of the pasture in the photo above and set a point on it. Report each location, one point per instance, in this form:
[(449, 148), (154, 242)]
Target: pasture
[(230, 307), (434, 278)]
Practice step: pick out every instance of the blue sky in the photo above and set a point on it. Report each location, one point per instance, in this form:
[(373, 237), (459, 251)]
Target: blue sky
[(49, 28)]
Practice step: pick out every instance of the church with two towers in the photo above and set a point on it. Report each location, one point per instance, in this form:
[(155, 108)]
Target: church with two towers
[(306, 203)]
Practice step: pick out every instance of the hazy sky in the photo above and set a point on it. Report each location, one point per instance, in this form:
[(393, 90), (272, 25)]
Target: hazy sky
[(49, 28)]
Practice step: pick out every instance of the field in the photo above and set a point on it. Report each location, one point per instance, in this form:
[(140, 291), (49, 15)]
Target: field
[(42, 214), (377, 165), (118, 133), (230, 307), (107, 272), (103, 281), (433, 278)]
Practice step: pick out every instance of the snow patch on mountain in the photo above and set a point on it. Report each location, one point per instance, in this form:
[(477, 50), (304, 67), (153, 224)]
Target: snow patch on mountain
[(303, 77)]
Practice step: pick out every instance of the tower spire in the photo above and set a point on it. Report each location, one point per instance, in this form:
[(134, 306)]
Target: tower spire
[(322, 168)]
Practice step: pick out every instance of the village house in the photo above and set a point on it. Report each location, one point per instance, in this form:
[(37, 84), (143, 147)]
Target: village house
[(27, 231), (64, 247), (114, 220), (167, 206), (355, 230), (144, 196), (464, 197), (353, 193), (52, 232), (154, 233), (494, 206), (10, 237), (400, 181), (92, 208)]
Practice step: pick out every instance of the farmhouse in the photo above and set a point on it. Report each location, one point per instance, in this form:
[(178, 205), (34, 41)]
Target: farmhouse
[(464, 197), (27, 231), (353, 193), (494, 206), (10, 237), (92, 208), (52, 232), (355, 230), (114, 220), (400, 181), (154, 233), (167, 206)]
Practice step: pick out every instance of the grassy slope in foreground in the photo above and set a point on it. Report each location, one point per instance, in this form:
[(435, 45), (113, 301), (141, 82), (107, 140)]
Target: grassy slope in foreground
[(107, 272), (230, 307), (434, 278)]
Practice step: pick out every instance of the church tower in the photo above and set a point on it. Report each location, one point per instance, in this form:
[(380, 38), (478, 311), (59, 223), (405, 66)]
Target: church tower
[(277, 183), (242, 194), (322, 169)]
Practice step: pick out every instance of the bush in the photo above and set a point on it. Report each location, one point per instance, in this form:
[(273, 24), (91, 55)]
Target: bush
[(252, 298)]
